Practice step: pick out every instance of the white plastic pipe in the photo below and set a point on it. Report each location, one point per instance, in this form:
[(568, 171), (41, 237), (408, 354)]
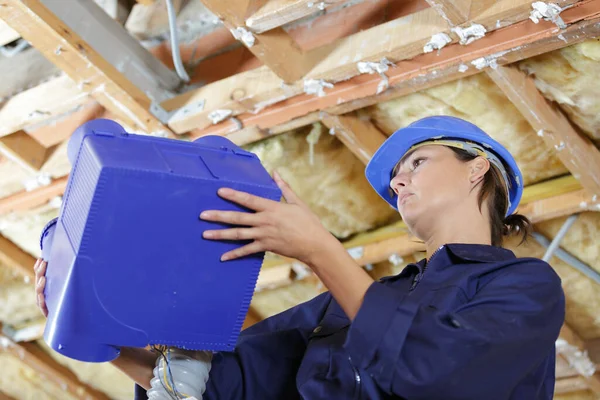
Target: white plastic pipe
[(184, 377)]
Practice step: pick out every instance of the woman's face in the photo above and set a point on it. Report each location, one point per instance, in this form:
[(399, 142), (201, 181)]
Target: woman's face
[(431, 181)]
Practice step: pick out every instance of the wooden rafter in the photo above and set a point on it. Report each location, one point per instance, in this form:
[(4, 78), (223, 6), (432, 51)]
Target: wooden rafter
[(569, 385), (457, 12), (65, 47), (25, 150), (14, 257), (551, 199), (572, 338), (44, 365), (268, 47), (277, 13), (575, 150), (25, 200), (505, 46), (360, 135)]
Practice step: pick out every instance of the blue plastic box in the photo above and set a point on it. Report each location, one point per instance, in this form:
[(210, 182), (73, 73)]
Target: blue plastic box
[(127, 264)]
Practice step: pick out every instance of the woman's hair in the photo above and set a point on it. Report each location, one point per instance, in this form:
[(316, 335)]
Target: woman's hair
[(494, 188)]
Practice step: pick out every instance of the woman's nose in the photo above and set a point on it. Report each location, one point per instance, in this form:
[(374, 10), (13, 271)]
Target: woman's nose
[(399, 181)]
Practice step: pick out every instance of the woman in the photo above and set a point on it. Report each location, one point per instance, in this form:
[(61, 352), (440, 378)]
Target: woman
[(470, 321)]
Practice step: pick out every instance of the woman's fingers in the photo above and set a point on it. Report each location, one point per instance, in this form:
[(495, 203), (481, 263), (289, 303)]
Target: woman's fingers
[(40, 285), (252, 248), (233, 234), (230, 217), (42, 304), (247, 200)]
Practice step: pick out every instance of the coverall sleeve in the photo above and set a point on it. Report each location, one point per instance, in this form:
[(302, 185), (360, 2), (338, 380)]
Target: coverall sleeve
[(266, 358), (481, 347)]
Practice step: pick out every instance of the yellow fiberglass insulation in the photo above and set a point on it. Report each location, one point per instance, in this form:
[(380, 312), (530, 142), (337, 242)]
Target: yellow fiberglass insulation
[(478, 100), (569, 77), (334, 185)]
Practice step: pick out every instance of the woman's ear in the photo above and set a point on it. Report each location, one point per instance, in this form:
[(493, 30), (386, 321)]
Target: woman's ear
[(478, 168)]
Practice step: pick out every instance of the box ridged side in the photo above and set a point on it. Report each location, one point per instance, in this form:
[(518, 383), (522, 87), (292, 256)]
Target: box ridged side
[(247, 299), (81, 193)]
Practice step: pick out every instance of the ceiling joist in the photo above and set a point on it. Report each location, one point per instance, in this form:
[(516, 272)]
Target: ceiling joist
[(269, 46), (575, 150), (277, 13), (513, 43), (35, 357), (17, 259), (93, 65), (25, 150), (360, 135)]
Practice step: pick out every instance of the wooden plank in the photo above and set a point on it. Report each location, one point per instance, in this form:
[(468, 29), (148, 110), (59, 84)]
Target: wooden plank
[(573, 339), (7, 34), (44, 365), (4, 396), (559, 206), (149, 18), (268, 47), (13, 256), (25, 150), (27, 200), (458, 12), (504, 46), (41, 103), (277, 13), (357, 133), (576, 151), (569, 385), (58, 130), (455, 12), (66, 48)]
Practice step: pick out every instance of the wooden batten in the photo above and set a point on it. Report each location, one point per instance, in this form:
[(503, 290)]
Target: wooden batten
[(42, 363), (272, 105), (277, 13), (13, 256), (25, 150), (83, 63), (360, 135), (576, 151)]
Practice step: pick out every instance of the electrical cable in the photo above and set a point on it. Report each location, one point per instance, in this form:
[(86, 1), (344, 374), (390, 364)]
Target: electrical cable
[(175, 43)]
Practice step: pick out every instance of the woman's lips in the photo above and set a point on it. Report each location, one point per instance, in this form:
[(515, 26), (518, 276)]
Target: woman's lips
[(402, 198)]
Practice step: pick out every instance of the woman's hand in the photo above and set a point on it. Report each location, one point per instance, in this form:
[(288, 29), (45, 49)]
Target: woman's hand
[(40, 284), (289, 229)]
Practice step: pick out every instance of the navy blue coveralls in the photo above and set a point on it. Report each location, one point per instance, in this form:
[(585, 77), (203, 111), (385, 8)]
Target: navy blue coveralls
[(476, 323)]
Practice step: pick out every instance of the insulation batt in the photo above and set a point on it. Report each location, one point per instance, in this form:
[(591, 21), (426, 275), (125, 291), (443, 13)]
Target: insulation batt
[(334, 187), (478, 100), (570, 77)]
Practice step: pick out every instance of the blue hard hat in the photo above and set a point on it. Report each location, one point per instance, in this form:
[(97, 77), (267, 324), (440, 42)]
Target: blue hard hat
[(380, 167)]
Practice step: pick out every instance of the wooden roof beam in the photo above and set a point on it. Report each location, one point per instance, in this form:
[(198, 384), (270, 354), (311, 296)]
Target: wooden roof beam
[(541, 202), (17, 259), (457, 12), (277, 13), (25, 200), (513, 43), (573, 350), (359, 134), (575, 150), (275, 49), (46, 367), (25, 150), (93, 49)]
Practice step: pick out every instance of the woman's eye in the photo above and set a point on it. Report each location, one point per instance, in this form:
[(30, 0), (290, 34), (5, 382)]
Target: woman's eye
[(417, 161)]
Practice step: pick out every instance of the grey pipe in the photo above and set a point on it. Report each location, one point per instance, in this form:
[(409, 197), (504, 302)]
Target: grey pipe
[(559, 237), (175, 43), (569, 259)]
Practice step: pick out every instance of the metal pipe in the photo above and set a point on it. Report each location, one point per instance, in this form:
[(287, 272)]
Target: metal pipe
[(559, 237), (569, 259), (175, 43)]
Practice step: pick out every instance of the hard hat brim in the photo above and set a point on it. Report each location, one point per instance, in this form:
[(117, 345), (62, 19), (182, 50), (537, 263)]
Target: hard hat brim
[(379, 168)]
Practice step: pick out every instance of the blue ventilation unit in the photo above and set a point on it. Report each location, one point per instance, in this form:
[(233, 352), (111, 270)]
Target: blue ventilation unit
[(127, 264)]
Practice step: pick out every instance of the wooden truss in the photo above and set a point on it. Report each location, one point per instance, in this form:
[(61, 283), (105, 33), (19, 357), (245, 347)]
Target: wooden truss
[(292, 78)]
